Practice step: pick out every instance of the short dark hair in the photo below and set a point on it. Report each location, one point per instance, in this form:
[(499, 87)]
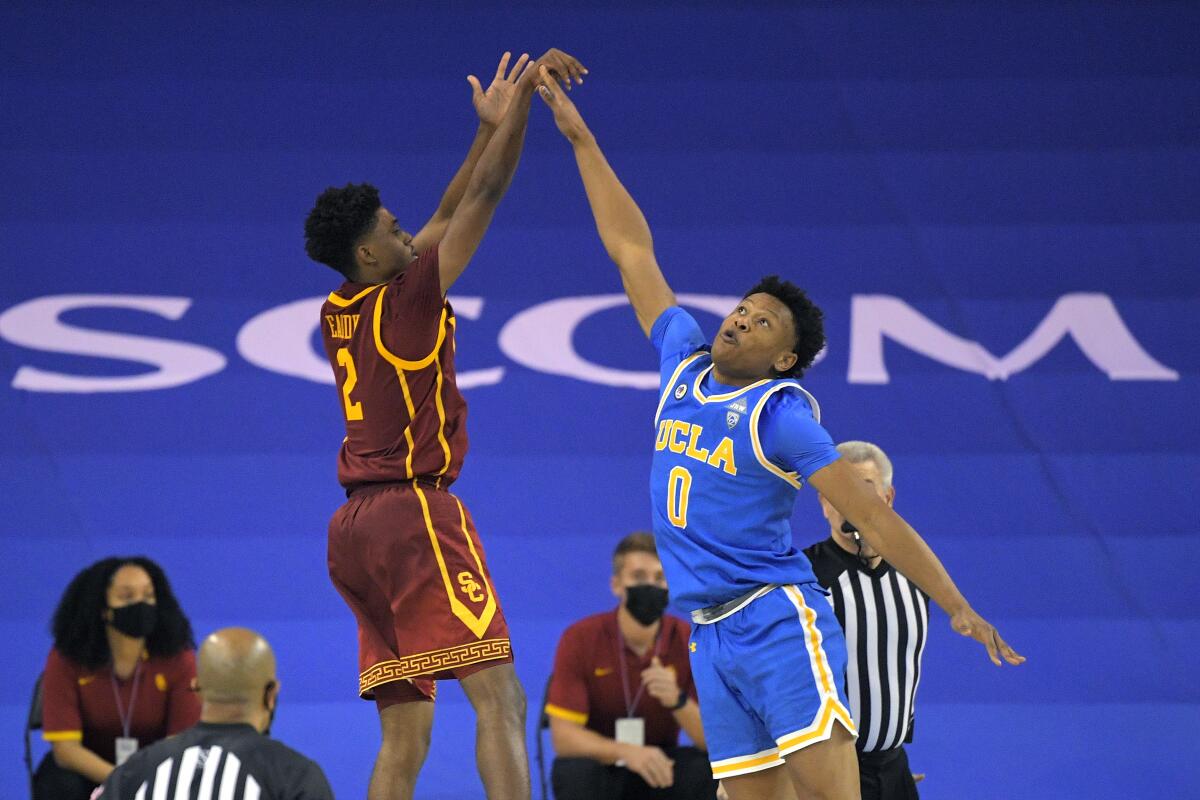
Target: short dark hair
[(79, 630), (636, 542), (339, 219), (806, 316)]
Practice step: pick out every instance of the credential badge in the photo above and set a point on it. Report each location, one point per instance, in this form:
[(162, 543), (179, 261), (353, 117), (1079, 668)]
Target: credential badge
[(680, 391)]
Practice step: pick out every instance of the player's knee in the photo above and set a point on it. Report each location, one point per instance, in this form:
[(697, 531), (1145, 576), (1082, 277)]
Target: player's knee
[(496, 695)]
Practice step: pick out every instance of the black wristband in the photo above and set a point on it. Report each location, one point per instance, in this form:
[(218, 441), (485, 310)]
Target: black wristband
[(683, 698)]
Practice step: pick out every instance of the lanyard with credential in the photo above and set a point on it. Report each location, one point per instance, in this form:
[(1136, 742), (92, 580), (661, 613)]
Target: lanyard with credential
[(126, 720), (629, 707)]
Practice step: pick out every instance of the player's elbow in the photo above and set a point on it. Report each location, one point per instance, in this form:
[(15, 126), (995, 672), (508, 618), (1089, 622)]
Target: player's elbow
[(631, 256)]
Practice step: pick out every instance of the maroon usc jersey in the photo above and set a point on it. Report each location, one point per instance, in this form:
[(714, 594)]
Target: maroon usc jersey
[(391, 347)]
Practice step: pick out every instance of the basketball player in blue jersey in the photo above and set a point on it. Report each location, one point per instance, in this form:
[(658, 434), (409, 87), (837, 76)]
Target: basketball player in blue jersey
[(736, 436)]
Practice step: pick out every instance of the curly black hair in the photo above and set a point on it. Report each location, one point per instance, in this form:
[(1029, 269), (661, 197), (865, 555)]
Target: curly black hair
[(806, 316), (339, 219), (78, 628)]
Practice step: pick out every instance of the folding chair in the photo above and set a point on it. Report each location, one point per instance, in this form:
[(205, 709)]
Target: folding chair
[(543, 724), (33, 723)]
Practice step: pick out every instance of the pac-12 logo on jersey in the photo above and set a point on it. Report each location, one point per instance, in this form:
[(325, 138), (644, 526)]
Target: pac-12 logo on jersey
[(734, 414), (680, 391)]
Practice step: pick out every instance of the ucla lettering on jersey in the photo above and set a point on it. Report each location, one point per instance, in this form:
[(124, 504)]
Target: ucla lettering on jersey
[(722, 506)]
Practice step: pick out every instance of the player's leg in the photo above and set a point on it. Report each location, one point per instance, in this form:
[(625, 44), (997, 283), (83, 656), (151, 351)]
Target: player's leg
[(826, 770), (499, 703), (406, 720), (356, 533), (789, 665), (770, 784), (741, 752)]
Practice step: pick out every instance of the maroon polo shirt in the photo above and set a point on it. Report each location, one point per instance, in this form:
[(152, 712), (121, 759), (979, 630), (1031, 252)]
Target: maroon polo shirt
[(79, 704), (586, 685)]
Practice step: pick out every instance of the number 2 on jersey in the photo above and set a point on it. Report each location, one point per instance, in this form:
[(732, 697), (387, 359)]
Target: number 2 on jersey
[(353, 410), (679, 484)]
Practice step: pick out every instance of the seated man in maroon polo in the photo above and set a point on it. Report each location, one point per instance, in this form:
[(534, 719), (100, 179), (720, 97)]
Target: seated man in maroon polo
[(622, 690)]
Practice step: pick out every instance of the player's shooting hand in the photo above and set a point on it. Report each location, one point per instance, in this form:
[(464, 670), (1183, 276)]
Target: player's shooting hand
[(566, 115), (563, 67), (968, 623), (491, 104), (652, 764), (660, 683)]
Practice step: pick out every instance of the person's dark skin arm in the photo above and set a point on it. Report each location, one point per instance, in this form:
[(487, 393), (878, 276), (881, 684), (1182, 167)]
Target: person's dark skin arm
[(489, 181), (903, 548), (491, 105), (622, 226)]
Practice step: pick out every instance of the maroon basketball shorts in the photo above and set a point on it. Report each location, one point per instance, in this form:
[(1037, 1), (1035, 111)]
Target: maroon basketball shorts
[(407, 560)]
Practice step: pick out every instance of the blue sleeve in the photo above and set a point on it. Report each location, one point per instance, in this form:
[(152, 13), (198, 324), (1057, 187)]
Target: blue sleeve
[(676, 335), (792, 439)]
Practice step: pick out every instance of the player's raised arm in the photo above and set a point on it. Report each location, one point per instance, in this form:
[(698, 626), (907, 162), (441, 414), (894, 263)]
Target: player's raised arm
[(621, 224), (491, 105), (904, 549), (488, 183)]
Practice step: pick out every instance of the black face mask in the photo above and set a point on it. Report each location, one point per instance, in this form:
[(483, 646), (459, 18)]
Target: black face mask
[(646, 602), (135, 620)]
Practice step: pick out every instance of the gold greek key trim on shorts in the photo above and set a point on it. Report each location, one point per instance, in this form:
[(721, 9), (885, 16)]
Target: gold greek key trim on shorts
[(433, 661)]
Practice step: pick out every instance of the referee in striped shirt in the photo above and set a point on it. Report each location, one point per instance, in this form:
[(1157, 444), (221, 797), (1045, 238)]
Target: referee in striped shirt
[(886, 620), (227, 755)]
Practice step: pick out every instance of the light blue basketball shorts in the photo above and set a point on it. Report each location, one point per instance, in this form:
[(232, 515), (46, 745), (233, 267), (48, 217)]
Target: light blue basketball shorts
[(771, 678)]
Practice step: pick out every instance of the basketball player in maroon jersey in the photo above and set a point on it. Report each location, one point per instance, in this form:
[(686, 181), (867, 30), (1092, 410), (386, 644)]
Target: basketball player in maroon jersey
[(403, 551)]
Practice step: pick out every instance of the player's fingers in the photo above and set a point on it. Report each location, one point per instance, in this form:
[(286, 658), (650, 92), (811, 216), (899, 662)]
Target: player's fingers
[(989, 641), (1010, 655), (518, 68), (918, 777), (500, 70), (547, 86), (476, 89)]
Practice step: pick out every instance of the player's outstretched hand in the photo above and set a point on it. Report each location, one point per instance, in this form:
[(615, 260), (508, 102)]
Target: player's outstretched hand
[(968, 623), (566, 115), (563, 67), (491, 104)]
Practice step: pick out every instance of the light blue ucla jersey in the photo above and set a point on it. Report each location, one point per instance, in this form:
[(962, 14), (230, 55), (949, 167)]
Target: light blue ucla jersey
[(728, 462)]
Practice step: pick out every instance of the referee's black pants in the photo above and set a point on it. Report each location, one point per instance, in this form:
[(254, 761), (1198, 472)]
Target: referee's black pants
[(885, 775), (587, 779)]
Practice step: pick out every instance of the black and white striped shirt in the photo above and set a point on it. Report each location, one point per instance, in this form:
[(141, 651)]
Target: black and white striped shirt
[(217, 762), (886, 620)]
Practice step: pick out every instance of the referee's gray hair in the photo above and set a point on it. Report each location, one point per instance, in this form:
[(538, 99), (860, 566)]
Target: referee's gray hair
[(857, 452)]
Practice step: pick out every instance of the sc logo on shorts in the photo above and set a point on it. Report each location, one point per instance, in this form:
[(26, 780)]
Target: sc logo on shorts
[(470, 587)]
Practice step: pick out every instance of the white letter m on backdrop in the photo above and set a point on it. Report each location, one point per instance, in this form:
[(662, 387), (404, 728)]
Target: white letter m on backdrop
[(1090, 319)]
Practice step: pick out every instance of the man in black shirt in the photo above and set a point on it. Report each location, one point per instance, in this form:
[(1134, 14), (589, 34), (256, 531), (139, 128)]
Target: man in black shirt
[(227, 754), (886, 619)]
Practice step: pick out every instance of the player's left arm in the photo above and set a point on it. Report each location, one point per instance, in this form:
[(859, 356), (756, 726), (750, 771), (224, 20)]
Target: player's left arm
[(903, 548), (491, 105)]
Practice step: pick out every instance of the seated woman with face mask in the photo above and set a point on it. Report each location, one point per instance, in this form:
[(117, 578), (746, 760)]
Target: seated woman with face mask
[(118, 678)]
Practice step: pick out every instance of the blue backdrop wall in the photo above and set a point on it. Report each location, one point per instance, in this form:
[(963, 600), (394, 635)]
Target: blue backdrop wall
[(994, 202)]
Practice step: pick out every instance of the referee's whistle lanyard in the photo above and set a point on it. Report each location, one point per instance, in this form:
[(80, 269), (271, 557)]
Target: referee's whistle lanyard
[(126, 718), (631, 705)]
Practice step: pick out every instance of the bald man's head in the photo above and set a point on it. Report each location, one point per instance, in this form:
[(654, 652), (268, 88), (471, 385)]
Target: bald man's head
[(235, 666)]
